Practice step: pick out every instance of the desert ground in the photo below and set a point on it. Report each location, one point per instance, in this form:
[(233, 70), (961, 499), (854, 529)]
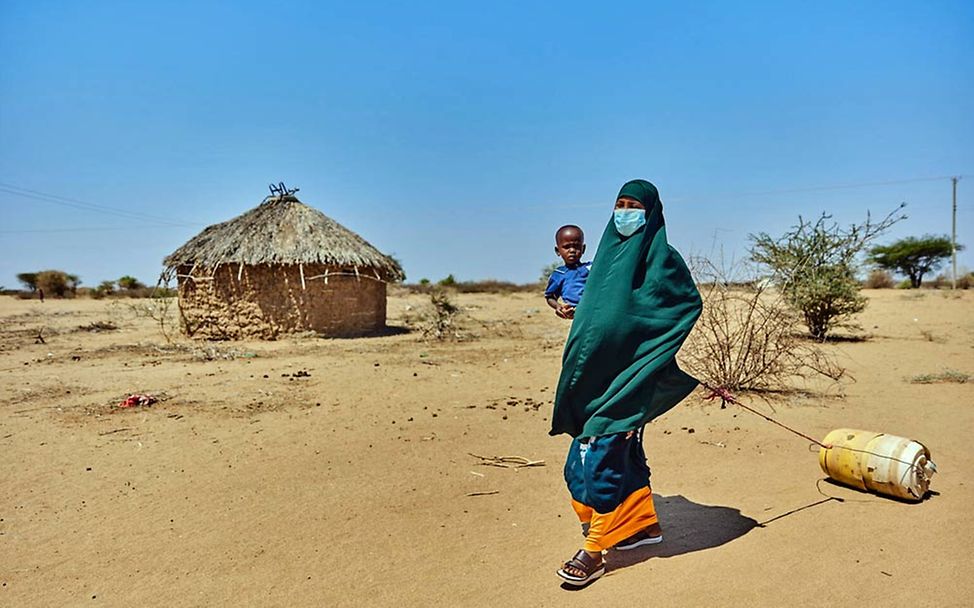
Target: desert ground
[(316, 472)]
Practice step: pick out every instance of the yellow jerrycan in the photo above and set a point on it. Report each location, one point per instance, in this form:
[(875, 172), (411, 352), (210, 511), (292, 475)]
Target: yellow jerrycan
[(886, 464)]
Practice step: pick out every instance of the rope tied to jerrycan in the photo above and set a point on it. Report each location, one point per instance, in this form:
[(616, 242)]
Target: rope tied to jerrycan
[(923, 468), (726, 397)]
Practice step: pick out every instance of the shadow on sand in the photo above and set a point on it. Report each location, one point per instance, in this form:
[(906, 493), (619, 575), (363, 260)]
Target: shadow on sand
[(687, 527), (386, 330)]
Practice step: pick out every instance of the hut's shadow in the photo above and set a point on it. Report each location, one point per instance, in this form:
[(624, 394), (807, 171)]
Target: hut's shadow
[(386, 330), (687, 527), (394, 330)]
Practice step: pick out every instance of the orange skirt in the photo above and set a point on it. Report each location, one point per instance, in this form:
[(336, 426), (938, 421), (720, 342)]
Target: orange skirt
[(605, 530)]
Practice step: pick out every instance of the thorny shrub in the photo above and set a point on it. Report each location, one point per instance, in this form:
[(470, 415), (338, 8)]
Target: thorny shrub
[(748, 338), (439, 320)]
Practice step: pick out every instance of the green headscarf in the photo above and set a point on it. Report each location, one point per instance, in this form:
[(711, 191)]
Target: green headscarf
[(619, 369)]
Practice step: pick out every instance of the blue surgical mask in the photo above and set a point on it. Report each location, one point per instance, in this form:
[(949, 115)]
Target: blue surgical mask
[(628, 221)]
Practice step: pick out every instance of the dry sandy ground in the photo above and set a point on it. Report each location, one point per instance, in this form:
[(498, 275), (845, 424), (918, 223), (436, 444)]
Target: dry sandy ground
[(253, 484)]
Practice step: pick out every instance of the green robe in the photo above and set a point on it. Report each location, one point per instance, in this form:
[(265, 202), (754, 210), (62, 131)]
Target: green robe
[(619, 368)]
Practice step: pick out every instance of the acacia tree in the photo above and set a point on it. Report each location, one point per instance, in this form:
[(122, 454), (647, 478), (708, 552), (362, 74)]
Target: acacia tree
[(912, 256), (815, 266), (29, 279), (128, 282), (54, 282)]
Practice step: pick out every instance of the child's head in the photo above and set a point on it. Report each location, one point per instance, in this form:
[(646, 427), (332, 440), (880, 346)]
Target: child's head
[(570, 244)]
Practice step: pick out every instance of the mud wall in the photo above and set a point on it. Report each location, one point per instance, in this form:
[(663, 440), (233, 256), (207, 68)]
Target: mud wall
[(266, 301)]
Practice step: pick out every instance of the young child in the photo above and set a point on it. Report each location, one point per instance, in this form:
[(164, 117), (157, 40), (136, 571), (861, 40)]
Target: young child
[(567, 282)]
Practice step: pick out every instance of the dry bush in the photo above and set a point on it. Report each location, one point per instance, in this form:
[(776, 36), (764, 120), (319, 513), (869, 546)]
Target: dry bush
[(880, 279), (162, 311), (965, 280), (438, 320), (748, 338)]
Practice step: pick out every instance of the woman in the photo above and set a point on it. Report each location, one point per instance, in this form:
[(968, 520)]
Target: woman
[(619, 372)]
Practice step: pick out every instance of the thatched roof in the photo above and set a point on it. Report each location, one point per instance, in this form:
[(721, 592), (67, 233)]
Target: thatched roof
[(283, 230)]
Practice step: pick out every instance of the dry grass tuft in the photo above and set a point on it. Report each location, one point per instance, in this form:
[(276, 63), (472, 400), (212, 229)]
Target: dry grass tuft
[(946, 376)]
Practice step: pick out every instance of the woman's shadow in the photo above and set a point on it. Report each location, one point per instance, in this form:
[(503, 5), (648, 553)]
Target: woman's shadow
[(687, 527)]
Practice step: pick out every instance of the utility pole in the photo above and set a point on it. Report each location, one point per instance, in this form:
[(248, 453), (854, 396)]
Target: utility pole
[(953, 237)]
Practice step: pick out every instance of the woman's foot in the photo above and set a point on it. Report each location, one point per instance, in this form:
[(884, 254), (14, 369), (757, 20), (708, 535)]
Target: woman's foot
[(582, 569), (648, 536)]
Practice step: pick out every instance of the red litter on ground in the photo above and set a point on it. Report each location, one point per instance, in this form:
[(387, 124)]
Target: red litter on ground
[(138, 399)]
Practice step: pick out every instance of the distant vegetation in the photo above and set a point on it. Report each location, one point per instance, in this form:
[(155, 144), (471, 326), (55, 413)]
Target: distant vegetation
[(485, 286), (128, 282), (879, 279), (29, 279), (913, 257), (61, 284), (54, 283), (547, 270), (815, 265)]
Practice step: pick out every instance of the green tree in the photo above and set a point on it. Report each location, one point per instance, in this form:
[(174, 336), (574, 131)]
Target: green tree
[(449, 281), (815, 266), (913, 256), (53, 282), (128, 282), (547, 270), (29, 279)]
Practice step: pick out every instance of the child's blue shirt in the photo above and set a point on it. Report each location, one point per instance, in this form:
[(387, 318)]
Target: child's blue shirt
[(568, 283)]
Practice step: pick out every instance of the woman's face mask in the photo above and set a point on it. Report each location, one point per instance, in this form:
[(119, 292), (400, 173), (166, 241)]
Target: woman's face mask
[(628, 221)]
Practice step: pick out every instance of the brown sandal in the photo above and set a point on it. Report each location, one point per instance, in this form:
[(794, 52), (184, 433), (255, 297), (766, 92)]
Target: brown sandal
[(585, 563)]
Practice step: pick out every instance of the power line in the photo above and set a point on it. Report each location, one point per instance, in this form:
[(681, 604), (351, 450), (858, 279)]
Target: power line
[(797, 190), (91, 229), (848, 186), (86, 206)]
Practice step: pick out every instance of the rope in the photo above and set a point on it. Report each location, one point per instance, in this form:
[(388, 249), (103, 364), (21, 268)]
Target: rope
[(726, 397)]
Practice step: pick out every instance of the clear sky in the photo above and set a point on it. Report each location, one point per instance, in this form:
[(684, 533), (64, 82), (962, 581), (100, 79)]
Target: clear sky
[(458, 136)]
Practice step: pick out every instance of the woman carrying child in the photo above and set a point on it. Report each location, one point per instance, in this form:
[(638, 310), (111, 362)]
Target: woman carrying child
[(619, 371)]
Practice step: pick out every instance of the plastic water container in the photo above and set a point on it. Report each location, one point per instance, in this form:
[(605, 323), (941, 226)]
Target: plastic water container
[(886, 464)]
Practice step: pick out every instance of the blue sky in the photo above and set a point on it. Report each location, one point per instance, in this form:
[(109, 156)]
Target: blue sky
[(459, 136)]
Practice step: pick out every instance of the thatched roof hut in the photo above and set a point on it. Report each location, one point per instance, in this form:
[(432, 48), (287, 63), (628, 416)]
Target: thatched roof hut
[(281, 267)]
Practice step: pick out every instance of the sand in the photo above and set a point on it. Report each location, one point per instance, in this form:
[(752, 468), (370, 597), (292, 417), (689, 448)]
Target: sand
[(310, 472)]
